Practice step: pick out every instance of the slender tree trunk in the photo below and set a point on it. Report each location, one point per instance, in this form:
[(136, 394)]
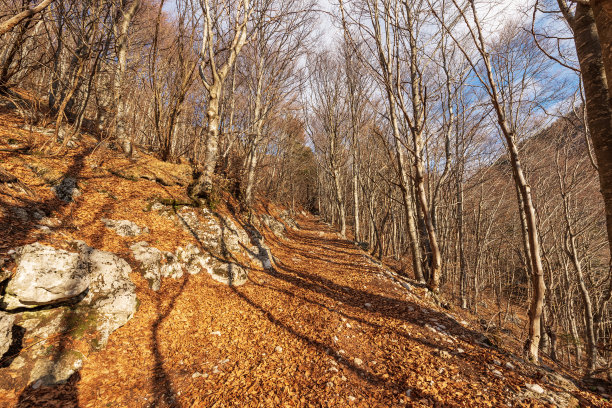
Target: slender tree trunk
[(339, 201), (572, 250), (121, 33), (204, 183), (461, 238), (406, 196), (356, 198), (256, 137), (435, 270)]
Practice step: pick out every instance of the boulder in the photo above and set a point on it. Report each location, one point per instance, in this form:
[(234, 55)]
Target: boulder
[(156, 264), (172, 268), (6, 331), (45, 275), (112, 295), (192, 259), (124, 228), (104, 300)]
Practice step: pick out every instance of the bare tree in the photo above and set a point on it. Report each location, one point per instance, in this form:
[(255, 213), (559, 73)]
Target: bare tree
[(224, 20)]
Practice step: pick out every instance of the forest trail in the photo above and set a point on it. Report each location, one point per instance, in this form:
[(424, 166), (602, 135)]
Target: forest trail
[(325, 326)]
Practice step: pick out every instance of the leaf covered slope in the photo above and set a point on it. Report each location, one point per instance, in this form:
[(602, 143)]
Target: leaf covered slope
[(325, 325)]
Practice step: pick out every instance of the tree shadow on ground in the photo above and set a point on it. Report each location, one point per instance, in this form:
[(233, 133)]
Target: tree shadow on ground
[(18, 224), (38, 394), (164, 392), (19, 220)]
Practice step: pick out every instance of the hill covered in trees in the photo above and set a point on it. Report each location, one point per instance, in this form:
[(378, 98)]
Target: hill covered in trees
[(459, 148)]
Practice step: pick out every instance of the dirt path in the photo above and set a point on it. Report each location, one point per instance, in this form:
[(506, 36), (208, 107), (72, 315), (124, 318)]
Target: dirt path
[(323, 327)]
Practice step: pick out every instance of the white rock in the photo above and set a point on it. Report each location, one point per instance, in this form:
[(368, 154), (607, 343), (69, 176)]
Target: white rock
[(509, 366), (45, 275), (6, 331), (150, 259), (537, 388), (278, 349), (111, 292), (124, 228), (358, 361)]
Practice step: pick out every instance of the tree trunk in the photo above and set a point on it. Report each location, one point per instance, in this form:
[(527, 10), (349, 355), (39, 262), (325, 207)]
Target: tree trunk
[(462, 260), (122, 50), (356, 198), (204, 183), (433, 283)]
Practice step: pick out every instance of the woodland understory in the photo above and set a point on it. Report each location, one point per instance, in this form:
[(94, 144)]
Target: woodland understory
[(465, 142)]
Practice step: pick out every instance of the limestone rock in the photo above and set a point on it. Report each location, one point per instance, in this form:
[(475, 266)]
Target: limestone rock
[(228, 273), (56, 371), (4, 273), (51, 222), (45, 275), (6, 331), (150, 259), (124, 228), (112, 295), (274, 225), (535, 392), (206, 232), (288, 219)]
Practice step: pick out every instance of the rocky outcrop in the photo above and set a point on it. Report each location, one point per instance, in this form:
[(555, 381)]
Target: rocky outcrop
[(219, 241), (286, 217), (44, 276), (544, 396), (156, 264), (124, 228), (263, 251), (57, 370), (62, 294), (228, 273), (274, 225), (112, 295)]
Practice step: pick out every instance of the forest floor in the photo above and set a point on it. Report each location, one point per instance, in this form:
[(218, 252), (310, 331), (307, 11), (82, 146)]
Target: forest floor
[(325, 326)]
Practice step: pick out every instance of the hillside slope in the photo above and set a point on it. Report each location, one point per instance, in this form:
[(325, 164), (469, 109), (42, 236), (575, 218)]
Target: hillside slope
[(317, 323)]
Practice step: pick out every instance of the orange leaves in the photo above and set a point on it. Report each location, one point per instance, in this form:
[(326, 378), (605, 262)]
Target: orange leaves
[(324, 328)]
